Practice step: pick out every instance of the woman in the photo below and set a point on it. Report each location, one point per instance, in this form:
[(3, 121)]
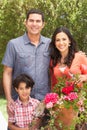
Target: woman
[(65, 58)]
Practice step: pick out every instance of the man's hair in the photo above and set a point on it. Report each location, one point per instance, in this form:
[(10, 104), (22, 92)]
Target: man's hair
[(23, 78), (35, 11)]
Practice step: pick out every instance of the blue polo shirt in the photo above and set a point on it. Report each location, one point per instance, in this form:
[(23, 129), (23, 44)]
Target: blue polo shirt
[(24, 57)]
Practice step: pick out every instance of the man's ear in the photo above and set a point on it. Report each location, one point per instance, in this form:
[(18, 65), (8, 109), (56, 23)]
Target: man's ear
[(25, 21)]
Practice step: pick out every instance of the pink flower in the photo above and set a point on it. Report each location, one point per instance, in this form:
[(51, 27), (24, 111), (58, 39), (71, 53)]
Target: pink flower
[(51, 97), (81, 109), (80, 103), (71, 96), (49, 105)]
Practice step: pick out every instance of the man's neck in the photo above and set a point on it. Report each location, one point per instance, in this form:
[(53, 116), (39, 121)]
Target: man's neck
[(35, 39)]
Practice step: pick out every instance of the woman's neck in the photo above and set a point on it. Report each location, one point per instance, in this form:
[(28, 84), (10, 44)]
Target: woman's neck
[(63, 56)]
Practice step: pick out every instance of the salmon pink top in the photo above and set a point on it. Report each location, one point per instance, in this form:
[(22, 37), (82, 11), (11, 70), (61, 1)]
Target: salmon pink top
[(76, 68)]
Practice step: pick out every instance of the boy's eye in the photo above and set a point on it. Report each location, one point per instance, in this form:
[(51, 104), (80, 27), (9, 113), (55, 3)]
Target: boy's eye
[(21, 88), (57, 40)]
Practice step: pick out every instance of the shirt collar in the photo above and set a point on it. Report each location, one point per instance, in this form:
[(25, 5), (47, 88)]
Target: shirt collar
[(27, 41), (29, 102)]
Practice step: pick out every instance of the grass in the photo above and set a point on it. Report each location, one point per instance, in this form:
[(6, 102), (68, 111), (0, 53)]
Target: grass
[(3, 106)]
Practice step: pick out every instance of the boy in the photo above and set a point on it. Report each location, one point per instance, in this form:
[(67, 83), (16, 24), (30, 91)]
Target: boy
[(22, 112)]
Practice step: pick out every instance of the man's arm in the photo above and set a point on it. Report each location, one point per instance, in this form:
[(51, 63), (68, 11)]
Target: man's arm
[(7, 83), (13, 127)]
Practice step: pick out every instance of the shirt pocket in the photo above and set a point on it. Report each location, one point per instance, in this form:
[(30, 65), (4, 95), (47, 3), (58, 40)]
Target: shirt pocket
[(24, 59), (46, 58)]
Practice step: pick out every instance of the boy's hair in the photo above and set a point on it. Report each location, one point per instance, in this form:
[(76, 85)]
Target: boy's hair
[(25, 79), (35, 11)]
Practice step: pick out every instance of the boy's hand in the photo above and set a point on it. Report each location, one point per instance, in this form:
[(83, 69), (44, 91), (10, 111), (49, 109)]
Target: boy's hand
[(36, 123)]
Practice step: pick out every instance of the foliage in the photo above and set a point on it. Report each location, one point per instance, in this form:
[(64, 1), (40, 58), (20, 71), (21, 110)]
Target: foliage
[(3, 106), (67, 94), (71, 14), (12, 15)]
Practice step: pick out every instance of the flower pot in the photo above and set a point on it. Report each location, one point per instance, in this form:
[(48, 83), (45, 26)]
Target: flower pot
[(66, 117)]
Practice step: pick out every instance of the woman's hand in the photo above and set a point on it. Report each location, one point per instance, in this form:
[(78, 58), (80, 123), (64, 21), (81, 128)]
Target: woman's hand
[(82, 78)]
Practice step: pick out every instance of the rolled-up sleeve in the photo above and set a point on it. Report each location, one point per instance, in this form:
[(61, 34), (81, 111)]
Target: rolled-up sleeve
[(9, 57)]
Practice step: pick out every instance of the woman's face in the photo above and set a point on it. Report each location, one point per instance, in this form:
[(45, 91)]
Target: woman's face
[(62, 42)]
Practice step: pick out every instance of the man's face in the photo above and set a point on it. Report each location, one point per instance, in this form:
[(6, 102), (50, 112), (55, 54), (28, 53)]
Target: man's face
[(34, 24)]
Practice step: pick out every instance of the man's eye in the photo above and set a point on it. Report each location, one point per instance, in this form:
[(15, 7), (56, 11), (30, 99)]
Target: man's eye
[(38, 21), (30, 20)]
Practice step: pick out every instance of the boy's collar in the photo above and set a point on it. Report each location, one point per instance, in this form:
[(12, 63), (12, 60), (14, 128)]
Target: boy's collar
[(21, 103)]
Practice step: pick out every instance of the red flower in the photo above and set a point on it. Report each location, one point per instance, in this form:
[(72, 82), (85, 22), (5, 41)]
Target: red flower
[(51, 97), (68, 88)]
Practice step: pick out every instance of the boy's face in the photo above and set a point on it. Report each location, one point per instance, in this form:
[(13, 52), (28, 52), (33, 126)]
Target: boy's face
[(23, 92)]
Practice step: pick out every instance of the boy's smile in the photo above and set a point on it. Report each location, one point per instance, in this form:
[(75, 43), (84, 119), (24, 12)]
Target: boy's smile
[(23, 92)]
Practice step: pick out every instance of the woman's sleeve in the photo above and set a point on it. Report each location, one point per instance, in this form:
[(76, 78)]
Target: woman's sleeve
[(83, 66)]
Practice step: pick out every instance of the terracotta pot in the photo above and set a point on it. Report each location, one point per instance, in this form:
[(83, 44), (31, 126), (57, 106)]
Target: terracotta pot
[(66, 117)]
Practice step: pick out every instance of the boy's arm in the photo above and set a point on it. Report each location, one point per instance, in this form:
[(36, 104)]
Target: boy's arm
[(11, 126)]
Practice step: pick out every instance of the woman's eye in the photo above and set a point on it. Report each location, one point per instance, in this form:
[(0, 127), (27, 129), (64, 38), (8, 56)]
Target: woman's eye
[(64, 39)]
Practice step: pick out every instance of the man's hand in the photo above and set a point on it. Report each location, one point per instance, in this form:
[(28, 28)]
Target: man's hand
[(9, 103)]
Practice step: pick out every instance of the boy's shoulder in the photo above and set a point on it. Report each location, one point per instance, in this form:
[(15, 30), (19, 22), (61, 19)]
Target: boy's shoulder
[(34, 100)]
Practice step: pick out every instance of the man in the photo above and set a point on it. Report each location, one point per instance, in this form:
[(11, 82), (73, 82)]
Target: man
[(28, 54)]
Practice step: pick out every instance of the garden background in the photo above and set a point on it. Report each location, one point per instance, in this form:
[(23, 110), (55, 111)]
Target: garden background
[(69, 13)]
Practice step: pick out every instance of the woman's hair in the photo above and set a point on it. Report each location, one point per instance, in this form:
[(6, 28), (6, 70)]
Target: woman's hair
[(23, 78), (55, 53)]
